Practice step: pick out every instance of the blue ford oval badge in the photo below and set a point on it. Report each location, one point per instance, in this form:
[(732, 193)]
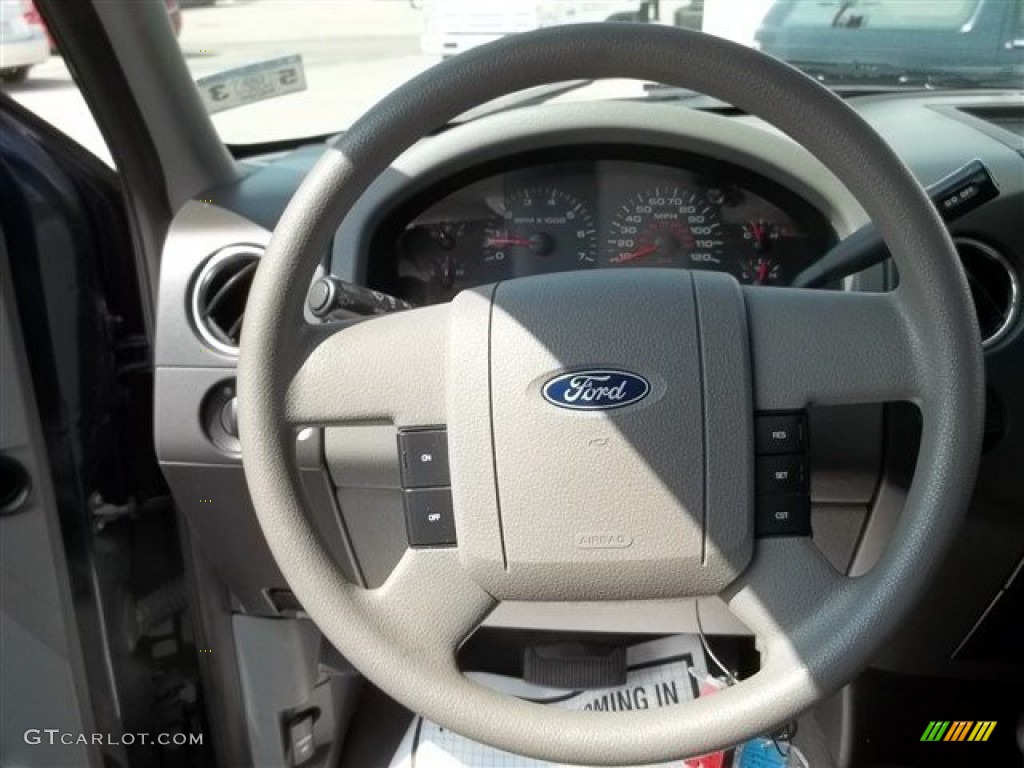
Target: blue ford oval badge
[(598, 390)]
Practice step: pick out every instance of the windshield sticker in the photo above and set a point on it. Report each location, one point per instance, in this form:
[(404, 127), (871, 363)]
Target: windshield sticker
[(254, 82)]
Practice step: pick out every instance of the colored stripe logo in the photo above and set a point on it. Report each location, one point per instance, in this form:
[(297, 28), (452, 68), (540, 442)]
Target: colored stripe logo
[(958, 730)]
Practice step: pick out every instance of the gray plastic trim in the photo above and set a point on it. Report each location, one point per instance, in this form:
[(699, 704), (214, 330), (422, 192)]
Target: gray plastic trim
[(192, 155), (1013, 313), (218, 261), (363, 457), (648, 616), (278, 667), (199, 231)]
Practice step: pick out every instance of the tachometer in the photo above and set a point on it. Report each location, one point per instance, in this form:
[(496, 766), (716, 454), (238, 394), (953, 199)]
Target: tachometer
[(543, 229), (665, 227)]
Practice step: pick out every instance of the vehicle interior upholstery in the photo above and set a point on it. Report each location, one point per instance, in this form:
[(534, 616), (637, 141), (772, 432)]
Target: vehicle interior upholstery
[(822, 483)]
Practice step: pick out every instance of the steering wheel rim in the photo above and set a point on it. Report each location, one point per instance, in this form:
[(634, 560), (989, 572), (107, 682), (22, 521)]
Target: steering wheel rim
[(816, 629)]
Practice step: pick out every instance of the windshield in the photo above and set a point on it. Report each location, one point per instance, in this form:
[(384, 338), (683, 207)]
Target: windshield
[(272, 70), (347, 54)]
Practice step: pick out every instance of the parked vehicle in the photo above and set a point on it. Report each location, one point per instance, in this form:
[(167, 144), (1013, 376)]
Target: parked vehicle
[(454, 26), (950, 37), (173, 14), (22, 40)]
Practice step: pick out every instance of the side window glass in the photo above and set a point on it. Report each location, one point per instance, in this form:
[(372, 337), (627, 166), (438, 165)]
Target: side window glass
[(33, 74)]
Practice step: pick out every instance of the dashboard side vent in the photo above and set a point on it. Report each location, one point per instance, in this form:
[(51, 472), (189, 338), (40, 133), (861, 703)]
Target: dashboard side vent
[(995, 288), (219, 294)]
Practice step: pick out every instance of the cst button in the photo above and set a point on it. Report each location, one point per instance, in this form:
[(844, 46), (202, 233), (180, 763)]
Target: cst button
[(424, 456), (429, 518), (786, 514)]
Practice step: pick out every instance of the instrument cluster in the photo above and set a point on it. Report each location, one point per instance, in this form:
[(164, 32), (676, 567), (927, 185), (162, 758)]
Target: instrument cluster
[(602, 214)]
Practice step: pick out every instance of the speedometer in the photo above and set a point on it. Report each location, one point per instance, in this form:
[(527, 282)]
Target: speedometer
[(665, 227)]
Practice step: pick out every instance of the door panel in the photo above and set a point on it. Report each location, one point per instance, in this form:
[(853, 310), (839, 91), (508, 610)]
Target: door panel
[(40, 660)]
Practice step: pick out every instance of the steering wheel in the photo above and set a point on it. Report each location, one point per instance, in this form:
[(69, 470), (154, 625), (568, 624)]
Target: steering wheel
[(651, 500)]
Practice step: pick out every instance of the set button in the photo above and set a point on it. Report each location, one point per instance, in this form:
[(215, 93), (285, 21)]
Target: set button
[(782, 474)]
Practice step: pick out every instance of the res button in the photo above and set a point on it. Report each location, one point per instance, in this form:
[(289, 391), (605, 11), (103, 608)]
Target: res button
[(780, 433)]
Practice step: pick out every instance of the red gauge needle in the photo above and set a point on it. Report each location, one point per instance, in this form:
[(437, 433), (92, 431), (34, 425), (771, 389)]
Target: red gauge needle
[(507, 241), (646, 251), (762, 272)]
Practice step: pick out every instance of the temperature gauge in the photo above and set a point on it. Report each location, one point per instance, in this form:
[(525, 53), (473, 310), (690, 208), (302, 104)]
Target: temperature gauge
[(446, 234), (761, 234)]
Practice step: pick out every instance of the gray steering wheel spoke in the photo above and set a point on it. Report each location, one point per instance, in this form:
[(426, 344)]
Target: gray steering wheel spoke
[(829, 348), (386, 369), (781, 596), (430, 597)]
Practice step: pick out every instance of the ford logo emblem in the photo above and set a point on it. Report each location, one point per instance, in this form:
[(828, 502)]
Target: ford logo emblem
[(599, 390)]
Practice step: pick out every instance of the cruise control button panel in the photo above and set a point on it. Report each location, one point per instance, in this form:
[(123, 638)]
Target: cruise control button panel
[(783, 506), (426, 483), (429, 517)]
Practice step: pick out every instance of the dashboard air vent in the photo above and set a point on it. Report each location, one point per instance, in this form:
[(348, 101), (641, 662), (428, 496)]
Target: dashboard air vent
[(219, 295), (995, 288)]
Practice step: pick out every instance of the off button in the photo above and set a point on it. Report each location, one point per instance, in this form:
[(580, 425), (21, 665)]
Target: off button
[(429, 517)]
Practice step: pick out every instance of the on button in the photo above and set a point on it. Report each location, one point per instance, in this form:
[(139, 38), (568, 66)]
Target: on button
[(424, 457)]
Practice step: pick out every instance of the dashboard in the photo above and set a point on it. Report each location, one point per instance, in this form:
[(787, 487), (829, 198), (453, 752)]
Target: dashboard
[(599, 186), (607, 208)]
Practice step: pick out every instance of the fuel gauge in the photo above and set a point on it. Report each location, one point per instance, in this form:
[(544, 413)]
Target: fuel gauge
[(760, 270), (447, 269), (435, 255)]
